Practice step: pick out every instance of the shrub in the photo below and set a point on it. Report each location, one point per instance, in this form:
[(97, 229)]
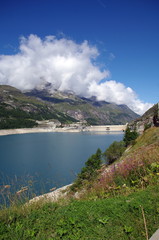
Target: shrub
[(114, 151), (147, 126)]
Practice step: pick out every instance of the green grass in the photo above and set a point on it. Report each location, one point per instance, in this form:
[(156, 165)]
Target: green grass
[(150, 136), (114, 218)]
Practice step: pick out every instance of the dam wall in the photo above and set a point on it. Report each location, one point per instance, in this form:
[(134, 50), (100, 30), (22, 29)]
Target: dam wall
[(106, 128)]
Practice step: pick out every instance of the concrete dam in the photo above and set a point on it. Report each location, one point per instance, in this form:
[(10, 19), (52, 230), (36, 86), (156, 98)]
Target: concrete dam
[(106, 128)]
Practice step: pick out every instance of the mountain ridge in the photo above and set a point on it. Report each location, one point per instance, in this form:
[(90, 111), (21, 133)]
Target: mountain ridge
[(64, 107), (90, 109)]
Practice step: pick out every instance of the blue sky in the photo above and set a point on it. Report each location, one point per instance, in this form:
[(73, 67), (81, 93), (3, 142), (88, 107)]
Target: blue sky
[(125, 33)]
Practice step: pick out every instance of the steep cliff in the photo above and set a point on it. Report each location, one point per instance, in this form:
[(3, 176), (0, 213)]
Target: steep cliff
[(149, 119)]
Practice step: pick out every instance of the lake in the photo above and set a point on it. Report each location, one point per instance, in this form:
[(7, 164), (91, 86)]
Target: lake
[(47, 160)]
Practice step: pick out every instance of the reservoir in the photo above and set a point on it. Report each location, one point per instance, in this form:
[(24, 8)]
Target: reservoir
[(43, 161)]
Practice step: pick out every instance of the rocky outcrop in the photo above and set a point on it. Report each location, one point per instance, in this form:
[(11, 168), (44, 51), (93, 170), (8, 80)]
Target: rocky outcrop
[(149, 119), (53, 196)]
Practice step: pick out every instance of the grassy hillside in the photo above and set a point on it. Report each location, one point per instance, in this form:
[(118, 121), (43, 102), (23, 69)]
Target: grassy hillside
[(136, 169), (123, 203), (113, 218)]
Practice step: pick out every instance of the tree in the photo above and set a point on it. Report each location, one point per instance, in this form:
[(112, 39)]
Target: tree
[(89, 172), (114, 151), (95, 161), (129, 136)]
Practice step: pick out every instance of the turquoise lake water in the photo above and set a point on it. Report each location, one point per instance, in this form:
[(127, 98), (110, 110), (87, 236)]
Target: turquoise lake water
[(47, 160)]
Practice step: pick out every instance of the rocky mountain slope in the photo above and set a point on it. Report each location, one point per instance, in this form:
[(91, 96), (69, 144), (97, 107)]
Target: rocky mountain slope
[(19, 109), (86, 109), (149, 119)]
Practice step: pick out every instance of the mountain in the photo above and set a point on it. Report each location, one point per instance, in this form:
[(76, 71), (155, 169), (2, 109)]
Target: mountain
[(149, 119), (88, 109), (18, 110), (23, 109)]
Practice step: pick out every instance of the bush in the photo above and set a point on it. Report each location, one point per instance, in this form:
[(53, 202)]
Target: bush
[(114, 151), (147, 126)]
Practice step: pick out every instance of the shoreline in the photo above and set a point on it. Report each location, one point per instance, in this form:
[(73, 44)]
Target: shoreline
[(52, 196), (102, 129), (4, 132)]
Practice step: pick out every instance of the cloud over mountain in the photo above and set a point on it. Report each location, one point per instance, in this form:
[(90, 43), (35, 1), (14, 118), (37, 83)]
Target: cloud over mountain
[(67, 66)]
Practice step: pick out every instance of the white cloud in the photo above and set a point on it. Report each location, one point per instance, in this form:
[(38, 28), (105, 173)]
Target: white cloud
[(67, 66), (112, 91)]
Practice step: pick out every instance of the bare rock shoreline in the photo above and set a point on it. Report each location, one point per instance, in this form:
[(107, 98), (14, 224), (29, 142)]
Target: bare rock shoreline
[(35, 130), (52, 196), (104, 128)]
